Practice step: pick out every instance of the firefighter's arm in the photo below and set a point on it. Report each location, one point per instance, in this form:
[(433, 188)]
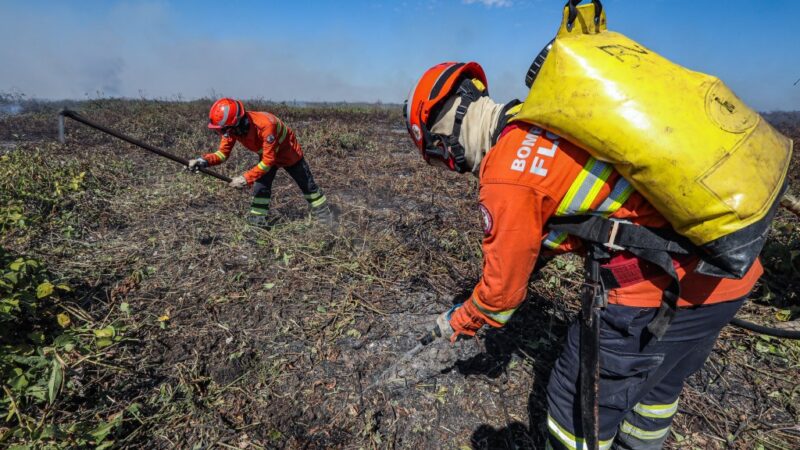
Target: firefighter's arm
[(225, 146), (268, 148), (513, 223)]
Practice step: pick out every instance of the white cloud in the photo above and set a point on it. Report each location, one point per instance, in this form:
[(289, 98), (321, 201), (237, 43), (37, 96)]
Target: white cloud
[(490, 3)]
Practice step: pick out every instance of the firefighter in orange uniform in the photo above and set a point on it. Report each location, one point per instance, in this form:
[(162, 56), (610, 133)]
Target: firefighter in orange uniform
[(528, 177), (265, 134)]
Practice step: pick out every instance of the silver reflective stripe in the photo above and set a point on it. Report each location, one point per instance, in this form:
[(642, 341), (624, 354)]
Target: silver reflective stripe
[(554, 239), (592, 177), (408, 105), (318, 202), (656, 411), (639, 433), (619, 195), (498, 316), (569, 440), (226, 109), (585, 191)]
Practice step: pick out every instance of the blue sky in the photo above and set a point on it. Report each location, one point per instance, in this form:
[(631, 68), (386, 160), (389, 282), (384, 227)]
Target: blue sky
[(365, 50)]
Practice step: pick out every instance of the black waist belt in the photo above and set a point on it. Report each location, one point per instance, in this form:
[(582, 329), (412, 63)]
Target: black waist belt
[(652, 245)]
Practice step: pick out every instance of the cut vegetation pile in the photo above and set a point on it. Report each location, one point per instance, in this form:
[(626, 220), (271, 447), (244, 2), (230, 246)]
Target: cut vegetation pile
[(138, 309)]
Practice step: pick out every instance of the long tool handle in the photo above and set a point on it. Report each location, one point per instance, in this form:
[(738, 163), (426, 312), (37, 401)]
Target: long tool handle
[(590, 352), (183, 161)]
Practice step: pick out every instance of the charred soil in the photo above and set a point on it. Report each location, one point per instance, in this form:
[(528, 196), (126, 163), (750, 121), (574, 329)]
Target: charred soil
[(242, 337)]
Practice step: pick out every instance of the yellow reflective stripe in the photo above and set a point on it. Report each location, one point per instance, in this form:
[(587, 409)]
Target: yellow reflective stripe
[(573, 190), (554, 239), (282, 131), (595, 189), (263, 166), (259, 211), (220, 155), (619, 194), (657, 411), (260, 201), (584, 190), (498, 316), (318, 202), (313, 196), (569, 440), (637, 432)]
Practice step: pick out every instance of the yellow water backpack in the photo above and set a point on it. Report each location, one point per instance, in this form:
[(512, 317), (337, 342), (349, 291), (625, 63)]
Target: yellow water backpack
[(713, 167)]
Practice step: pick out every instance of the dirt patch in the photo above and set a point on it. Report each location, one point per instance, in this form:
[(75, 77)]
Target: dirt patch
[(257, 338)]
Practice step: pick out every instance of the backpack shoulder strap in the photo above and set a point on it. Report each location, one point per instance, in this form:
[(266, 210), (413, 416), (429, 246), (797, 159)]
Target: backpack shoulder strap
[(652, 245)]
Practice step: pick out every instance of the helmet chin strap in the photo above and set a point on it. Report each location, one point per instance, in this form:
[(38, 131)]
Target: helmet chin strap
[(242, 127), (449, 148)]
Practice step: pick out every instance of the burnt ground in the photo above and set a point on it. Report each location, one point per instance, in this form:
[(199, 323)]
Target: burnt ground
[(237, 337)]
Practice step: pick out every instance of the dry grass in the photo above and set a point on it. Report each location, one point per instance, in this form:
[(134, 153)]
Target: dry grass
[(240, 337)]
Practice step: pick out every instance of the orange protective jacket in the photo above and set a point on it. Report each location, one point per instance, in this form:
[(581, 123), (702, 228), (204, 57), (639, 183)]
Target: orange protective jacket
[(521, 187), (268, 136)]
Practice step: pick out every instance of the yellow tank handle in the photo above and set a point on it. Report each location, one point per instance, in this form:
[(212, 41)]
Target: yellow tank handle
[(589, 18)]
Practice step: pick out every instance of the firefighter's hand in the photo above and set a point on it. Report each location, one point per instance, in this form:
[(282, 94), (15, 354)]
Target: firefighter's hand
[(196, 164), (458, 322), (238, 182)]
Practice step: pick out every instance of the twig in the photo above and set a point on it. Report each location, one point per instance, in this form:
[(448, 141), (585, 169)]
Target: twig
[(16, 409)]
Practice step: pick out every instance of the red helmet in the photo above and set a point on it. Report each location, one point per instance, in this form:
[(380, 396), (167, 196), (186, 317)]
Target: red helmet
[(225, 113), (425, 100)]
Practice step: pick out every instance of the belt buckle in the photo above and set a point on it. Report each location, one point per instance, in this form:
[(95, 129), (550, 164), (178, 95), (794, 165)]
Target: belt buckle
[(612, 237)]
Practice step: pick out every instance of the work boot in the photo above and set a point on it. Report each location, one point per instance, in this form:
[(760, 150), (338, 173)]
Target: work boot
[(265, 221), (323, 214)]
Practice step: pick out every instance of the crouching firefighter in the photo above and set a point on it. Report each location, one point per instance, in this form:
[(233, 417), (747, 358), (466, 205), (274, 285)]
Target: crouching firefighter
[(650, 316), (267, 135)]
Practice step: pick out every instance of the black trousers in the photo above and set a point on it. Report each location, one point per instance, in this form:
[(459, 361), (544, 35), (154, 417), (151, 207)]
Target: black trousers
[(300, 173), (640, 378)]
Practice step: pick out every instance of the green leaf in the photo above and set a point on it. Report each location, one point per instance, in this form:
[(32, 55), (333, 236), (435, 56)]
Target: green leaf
[(21, 447), (269, 285), (19, 383), (353, 333), (44, 290), (18, 264), (102, 431), (107, 332), (65, 342), (63, 320), (37, 392), (783, 315), (36, 336), (12, 277), (125, 307), (56, 381)]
